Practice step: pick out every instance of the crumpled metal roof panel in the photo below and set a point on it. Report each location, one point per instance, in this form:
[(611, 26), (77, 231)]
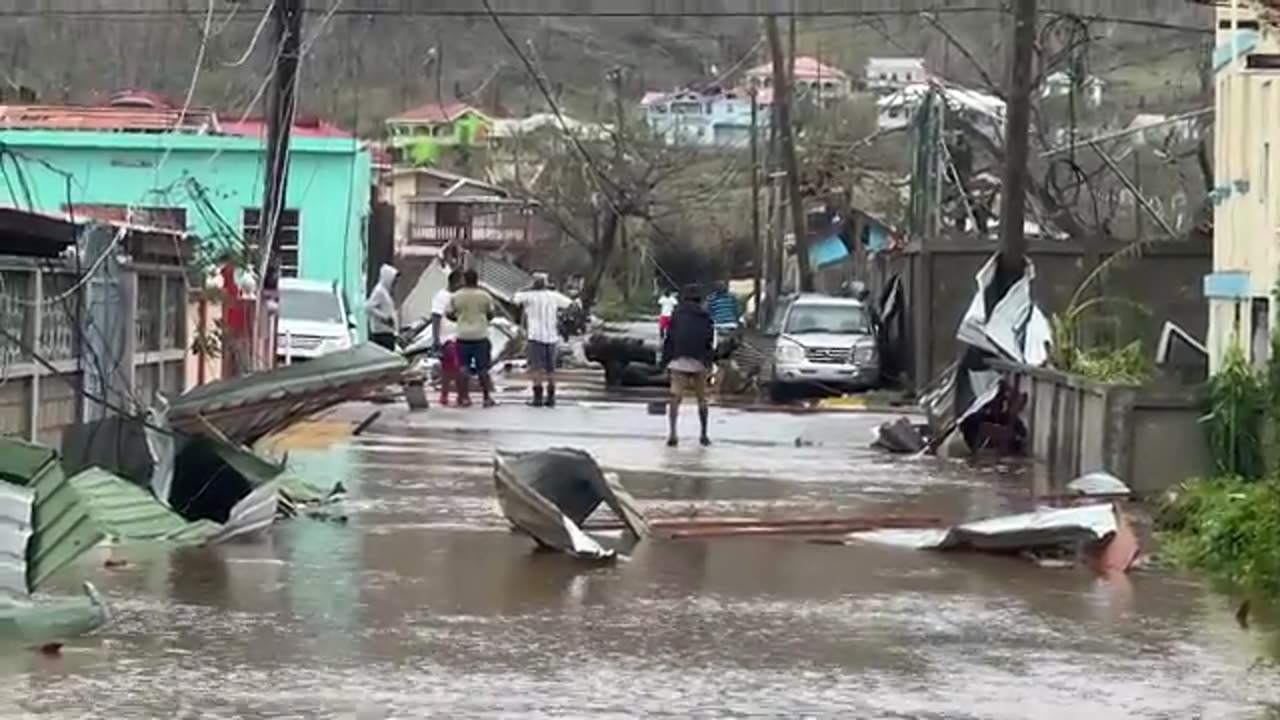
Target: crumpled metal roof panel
[(15, 531)]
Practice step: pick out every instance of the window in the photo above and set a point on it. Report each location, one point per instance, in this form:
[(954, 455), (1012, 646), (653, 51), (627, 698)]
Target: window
[(147, 333), (840, 319), (708, 108), (1260, 345), (288, 236), (318, 306), (175, 313)]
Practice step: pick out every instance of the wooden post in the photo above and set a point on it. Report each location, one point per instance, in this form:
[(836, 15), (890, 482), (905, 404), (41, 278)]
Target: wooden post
[(1013, 241), (782, 118), (756, 241)]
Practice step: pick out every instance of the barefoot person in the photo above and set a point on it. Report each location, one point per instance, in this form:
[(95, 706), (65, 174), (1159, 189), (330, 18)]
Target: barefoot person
[(445, 340), (472, 308), (541, 308), (687, 352)]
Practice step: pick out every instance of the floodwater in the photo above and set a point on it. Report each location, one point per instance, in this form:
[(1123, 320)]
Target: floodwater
[(424, 605)]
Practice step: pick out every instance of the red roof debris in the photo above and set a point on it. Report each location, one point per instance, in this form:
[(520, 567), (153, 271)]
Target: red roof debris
[(305, 126), (436, 112), (109, 119)]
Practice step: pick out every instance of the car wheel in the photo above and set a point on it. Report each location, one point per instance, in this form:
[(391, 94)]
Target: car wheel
[(779, 393)]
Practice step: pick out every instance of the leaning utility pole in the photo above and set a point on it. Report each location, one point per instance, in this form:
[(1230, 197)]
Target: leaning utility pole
[(782, 119), (756, 241), (286, 22), (619, 157), (1013, 201)]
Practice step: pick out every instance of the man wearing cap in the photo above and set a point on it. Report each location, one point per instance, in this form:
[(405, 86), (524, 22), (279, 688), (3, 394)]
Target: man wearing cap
[(687, 351), (540, 305)]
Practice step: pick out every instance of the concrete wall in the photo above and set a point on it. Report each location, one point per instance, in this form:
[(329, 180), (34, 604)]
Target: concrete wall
[(329, 183), (1166, 279), (1150, 437)]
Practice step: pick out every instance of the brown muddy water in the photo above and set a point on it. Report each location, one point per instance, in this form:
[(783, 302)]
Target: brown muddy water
[(424, 605)]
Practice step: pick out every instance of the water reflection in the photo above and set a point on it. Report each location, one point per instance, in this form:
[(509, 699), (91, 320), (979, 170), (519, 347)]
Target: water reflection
[(424, 605)]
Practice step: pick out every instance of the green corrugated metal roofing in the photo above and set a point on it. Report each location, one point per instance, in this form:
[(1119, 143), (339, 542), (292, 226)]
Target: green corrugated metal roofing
[(119, 509), (49, 621), (59, 535)]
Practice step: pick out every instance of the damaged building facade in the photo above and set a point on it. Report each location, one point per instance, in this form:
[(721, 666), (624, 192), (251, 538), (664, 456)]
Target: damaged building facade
[(1241, 288), (95, 315)]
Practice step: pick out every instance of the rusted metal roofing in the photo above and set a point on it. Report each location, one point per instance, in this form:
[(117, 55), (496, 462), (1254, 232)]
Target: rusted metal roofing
[(106, 119), (309, 127)]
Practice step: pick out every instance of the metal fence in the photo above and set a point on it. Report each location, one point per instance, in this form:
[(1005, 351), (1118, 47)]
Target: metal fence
[(42, 308)]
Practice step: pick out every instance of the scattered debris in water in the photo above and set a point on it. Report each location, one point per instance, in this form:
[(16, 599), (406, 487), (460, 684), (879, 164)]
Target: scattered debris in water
[(1099, 534), (548, 494)]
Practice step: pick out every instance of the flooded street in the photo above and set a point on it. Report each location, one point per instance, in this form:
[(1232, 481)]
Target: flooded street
[(423, 604)]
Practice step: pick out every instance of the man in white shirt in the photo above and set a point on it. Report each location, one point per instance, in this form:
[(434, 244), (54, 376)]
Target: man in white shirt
[(445, 339), (541, 308)]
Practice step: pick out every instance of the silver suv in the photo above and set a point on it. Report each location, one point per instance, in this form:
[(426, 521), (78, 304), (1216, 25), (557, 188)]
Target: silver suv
[(824, 342)]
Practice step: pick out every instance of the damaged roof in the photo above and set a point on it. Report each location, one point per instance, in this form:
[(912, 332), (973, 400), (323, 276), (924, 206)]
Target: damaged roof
[(250, 406)]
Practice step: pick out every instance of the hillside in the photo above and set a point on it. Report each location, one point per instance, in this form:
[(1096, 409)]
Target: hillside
[(371, 58)]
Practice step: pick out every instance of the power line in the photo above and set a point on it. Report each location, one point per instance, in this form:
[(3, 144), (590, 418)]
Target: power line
[(144, 15)]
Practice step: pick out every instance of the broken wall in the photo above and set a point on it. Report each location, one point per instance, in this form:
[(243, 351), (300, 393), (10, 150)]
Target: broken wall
[(1166, 279)]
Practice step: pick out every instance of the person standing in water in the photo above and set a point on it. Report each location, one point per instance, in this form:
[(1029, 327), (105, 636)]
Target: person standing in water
[(384, 321), (472, 308), (687, 352), (541, 308)]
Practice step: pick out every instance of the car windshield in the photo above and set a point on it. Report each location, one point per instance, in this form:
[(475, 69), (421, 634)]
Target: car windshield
[(842, 319), (310, 306)]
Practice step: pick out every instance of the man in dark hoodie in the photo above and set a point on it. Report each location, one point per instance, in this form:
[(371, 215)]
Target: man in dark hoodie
[(688, 351)]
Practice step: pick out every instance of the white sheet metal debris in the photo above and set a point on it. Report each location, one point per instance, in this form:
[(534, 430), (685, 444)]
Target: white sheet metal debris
[(1101, 530), (1015, 330), (549, 494), (1098, 482)]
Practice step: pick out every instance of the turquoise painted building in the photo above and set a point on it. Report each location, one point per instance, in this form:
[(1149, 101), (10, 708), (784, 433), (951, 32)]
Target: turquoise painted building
[(211, 184)]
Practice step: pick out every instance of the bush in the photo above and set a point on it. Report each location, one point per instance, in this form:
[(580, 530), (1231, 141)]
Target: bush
[(1229, 528)]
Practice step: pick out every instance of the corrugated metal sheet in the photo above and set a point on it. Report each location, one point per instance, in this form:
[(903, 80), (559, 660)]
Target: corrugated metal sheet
[(251, 406), (27, 624), (499, 277), (118, 119), (15, 530), (119, 509), (59, 538)]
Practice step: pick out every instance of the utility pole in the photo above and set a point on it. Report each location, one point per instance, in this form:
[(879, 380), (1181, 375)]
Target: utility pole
[(619, 157), (286, 25), (756, 241), (782, 119), (1013, 205)]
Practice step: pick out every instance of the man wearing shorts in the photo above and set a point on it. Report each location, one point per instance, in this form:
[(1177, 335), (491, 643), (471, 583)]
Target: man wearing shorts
[(445, 340), (472, 309), (687, 352), (541, 308)]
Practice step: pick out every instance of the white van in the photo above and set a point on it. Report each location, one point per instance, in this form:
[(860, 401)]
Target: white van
[(313, 320)]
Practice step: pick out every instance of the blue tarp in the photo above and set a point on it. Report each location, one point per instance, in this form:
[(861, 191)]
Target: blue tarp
[(877, 237), (827, 251)]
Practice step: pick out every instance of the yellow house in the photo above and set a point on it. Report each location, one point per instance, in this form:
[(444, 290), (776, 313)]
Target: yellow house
[(1241, 291)]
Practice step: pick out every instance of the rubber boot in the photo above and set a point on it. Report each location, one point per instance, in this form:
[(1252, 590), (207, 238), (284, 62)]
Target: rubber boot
[(537, 396), (551, 395)]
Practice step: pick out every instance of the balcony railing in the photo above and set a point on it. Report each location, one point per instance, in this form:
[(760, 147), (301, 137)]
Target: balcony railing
[(481, 234)]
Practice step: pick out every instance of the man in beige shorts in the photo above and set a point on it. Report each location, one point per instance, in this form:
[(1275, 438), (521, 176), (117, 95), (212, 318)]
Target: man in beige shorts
[(687, 351)]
